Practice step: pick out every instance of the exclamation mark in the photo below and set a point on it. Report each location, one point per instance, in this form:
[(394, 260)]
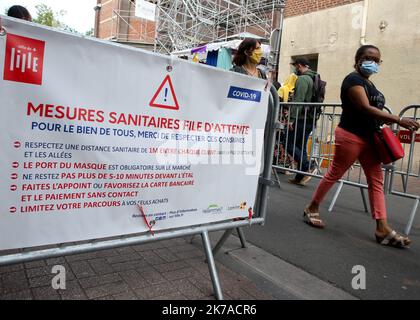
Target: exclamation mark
[(166, 93)]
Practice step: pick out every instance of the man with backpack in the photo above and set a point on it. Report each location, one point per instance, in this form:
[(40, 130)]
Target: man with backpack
[(309, 88)]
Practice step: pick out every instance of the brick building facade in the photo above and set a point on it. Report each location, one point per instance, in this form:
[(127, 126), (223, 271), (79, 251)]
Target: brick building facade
[(328, 33), (115, 20), (299, 7)]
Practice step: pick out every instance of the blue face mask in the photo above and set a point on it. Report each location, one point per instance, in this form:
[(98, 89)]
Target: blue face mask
[(369, 67)]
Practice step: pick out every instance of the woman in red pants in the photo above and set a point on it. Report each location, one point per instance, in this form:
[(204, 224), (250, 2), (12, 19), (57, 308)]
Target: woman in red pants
[(362, 107)]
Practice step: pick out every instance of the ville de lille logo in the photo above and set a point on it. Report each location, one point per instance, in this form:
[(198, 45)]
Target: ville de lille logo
[(24, 59)]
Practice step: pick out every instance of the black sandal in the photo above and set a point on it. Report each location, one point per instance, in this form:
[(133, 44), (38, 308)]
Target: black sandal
[(393, 239)]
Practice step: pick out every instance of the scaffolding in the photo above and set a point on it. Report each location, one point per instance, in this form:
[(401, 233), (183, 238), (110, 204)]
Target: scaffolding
[(182, 24)]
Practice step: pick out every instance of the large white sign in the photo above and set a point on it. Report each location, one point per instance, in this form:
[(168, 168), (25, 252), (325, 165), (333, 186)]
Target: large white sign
[(145, 10), (101, 140)]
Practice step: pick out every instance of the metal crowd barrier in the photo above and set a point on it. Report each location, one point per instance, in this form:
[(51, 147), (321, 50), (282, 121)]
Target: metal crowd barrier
[(320, 150), (260, 208), (324, 117), (265, 179), (408, 168)]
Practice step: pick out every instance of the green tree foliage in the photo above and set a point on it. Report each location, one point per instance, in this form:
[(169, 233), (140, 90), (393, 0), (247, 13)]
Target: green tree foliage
[(46, 16), (89, 33)]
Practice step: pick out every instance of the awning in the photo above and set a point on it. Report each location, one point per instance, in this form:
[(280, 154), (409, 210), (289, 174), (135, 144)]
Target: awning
[(202, 50)]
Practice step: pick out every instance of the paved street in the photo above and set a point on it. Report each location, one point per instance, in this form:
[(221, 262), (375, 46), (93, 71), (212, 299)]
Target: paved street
[(165, 270), (347, 241), (127, 116), (285, 259)]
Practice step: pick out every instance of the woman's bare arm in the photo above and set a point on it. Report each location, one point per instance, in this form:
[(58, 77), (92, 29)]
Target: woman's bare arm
[(358, 97)]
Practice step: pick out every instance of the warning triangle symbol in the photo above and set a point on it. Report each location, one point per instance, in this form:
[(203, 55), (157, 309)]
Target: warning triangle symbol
[(165, 96)]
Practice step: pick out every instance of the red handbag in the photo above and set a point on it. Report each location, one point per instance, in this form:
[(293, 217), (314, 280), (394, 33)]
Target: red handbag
[(387, 145)]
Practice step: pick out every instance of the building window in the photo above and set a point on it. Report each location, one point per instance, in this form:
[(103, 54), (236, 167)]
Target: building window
[(313, 60)]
